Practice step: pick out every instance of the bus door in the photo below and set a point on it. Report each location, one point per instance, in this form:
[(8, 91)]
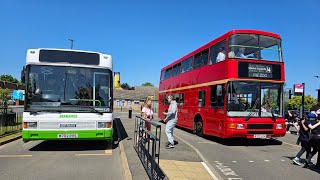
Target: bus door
[(215, 114)]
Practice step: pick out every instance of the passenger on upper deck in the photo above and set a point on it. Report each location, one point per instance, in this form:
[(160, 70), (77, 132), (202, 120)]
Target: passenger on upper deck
[(221, 55), (257, 55), (240, 53)]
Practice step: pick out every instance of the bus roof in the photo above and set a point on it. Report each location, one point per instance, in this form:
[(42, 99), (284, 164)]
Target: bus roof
[(55, 49), (220, 38), (105, 60)]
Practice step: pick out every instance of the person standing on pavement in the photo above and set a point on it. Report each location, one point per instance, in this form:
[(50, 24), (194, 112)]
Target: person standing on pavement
[(147, 113), (171, 119)]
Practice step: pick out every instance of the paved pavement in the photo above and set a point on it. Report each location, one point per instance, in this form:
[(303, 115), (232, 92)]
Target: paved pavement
[(59, 160), (232, 159), (182, 162)]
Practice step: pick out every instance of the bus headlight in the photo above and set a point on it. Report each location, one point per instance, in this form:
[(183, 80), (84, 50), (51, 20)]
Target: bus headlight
[(240, 126), (30, 125), (279, 126), (104, 124)]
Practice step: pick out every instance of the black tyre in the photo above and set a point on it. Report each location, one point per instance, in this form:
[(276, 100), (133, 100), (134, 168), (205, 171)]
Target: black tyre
[(199, 127)]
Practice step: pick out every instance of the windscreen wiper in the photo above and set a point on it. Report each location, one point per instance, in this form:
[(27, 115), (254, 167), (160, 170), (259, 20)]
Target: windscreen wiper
[(94, 110), (254, 107), (44, 110)]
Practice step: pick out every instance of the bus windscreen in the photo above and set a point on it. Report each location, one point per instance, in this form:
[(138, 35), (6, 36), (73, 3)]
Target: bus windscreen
[(56, 56)]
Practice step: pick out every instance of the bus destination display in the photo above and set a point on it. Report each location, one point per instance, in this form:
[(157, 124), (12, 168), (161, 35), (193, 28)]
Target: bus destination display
[(259, 70)]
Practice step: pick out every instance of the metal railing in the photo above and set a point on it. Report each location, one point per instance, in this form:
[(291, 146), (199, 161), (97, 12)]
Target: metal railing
[(10, 122), (147, 138)]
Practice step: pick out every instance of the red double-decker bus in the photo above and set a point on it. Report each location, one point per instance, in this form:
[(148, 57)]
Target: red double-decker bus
[(230, 87)]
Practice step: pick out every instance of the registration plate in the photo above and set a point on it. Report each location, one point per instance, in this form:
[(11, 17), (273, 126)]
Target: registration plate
[(260, 136), (67, 135)]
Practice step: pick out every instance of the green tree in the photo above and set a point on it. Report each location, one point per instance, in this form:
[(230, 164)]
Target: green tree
[(8, 78), (295, 102), (148, 84), (4, 93)]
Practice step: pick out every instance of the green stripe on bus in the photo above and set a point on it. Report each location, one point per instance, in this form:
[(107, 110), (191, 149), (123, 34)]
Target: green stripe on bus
[(104, 134)]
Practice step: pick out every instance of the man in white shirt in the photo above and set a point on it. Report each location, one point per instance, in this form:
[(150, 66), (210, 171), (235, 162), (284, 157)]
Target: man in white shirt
[(221, 55)]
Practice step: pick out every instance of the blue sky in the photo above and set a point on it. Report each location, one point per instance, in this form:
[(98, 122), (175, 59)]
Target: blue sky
[(143, 35)]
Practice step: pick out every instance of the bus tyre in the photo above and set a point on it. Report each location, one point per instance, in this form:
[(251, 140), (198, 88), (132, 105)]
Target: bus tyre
[(199, 127)]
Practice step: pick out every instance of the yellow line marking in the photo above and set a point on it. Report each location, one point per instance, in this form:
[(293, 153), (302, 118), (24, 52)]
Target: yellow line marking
[(206, 143), (91, 154), (108, 152), (4, 156), (291, 144), (217, 82)]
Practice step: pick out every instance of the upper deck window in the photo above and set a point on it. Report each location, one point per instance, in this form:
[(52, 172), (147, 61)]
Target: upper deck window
[(252, 46), (73, 57), (162, 75), (168, 73), (186, 65), (200, 59), (176, 69)]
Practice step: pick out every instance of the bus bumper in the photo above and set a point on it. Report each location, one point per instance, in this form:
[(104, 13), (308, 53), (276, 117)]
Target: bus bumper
[(31, 135)]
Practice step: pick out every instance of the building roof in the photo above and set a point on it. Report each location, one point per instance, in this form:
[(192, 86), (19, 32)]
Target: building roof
[(139, 93), (9, 85)]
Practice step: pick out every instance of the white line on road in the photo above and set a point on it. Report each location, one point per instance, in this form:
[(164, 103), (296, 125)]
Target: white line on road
[(201, 156), (266, 160), (208, 169), (250, 161), (234, 161)]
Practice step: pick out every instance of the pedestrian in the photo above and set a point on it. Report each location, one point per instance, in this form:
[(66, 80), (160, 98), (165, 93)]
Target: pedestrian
[(147, 113), (303, 139), (314, 125), (289, 119), (171, 119)]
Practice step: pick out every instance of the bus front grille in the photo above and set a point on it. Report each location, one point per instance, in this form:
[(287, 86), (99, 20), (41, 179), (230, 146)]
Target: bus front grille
[(260, 126)]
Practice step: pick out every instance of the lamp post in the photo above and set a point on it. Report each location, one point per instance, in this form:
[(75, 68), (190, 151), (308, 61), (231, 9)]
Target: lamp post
[(318, 88), (71, 40)]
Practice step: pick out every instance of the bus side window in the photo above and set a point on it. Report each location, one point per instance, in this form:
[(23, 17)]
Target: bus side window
[(181, 99), (216, 96), (214, 52), (202, 98)]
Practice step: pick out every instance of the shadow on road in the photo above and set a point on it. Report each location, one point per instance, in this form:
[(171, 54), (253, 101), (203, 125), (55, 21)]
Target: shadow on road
[(70, 145), (238, 141), (312, 168)]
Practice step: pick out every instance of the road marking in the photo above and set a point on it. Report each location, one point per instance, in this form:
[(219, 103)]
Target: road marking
[(227, 171), (208, 169), (108, 152), (92, 155), (266, 160), (291, 144), (26, 155), (201, 156), (234, 161), (250, 161), (205, 142), (283, 160)]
